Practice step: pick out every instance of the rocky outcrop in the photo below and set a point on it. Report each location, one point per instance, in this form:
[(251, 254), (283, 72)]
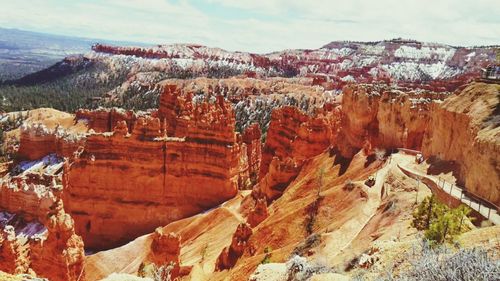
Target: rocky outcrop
[(252, 138), (281, 173), (465, 128), (239, 244), (105, 119), (11, 258), (37, 141), (61, 256), (44, 242), (258, 213), (31, 187), (380, 117), (185, 160), (45, 246), (165, 250), (294, 136)]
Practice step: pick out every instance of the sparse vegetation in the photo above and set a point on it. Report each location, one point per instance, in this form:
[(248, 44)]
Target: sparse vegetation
[(430, 263), (349, 185), (380, 154), (259, 110), (311, 241), (157, 273), (441, 264), (204, 252), (320, 180), (311, 213), (441, 224), (299, 269), (267, 257)]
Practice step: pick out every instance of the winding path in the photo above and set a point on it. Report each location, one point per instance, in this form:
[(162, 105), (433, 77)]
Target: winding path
[(455, 192)]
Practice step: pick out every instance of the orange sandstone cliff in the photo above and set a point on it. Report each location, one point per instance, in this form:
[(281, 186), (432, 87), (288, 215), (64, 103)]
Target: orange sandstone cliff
[(375, 116), (465, 128), (175, 163), (293, 136)]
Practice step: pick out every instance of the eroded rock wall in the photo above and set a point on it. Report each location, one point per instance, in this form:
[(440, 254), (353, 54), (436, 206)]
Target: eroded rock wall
[(293, 137), (380, 117), (45, 245), (465, 128), (186, 160), (105, 119), (37, 141)]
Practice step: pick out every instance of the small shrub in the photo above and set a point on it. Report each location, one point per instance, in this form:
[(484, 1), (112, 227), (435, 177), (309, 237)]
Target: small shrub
[(311, 213), (426, 212), (299, 269), (439, 264), (163, 272), (349, 185), (157, 273), (204, 252), (311, 241), (441, 224), (430, 263), (267, 257)]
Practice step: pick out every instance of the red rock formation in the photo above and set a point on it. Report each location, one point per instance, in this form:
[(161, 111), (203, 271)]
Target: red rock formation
[(165, 250), (55, 253), (239, 244), (9, 251), (60, 257), (104, 120), (252, 138), (281, 173), (463, 129), (31, 192), (293, 136), (377, 116), (258, 213), (198, 165), (293, 133), (37, 141)]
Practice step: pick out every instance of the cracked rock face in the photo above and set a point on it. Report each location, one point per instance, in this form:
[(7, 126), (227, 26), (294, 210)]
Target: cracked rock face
[(174, 163), (465, 129), (381, 117)]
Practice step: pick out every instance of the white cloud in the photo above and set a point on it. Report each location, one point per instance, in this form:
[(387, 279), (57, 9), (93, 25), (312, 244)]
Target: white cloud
[(261, 25)]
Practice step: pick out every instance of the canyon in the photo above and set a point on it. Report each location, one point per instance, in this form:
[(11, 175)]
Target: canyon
[(238, 178), (149, 168)]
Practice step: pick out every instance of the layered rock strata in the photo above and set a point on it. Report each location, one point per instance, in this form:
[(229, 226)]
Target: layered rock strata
[(376, 116), (44, 242), (104, 120), (37, 141), (465, 128), (175, 163), (60, 257), (51, 250), (293, 137), (165, 251)]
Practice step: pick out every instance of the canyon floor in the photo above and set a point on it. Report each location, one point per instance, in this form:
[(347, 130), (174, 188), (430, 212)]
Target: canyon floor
[(255, 178)]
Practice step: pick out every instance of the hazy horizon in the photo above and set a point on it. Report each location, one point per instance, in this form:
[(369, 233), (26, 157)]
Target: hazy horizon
[(259, 26)]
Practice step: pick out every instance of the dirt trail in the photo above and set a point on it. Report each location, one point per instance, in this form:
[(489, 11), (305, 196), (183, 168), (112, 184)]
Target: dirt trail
[(338, 241), (454, 192)]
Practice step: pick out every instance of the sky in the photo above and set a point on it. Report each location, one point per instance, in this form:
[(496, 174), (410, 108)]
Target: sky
[(260, 26)]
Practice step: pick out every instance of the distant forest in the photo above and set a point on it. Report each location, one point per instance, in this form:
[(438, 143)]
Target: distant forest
[(67, 93)]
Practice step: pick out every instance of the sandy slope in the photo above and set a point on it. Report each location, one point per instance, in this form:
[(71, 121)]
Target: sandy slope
[(344, 218)]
